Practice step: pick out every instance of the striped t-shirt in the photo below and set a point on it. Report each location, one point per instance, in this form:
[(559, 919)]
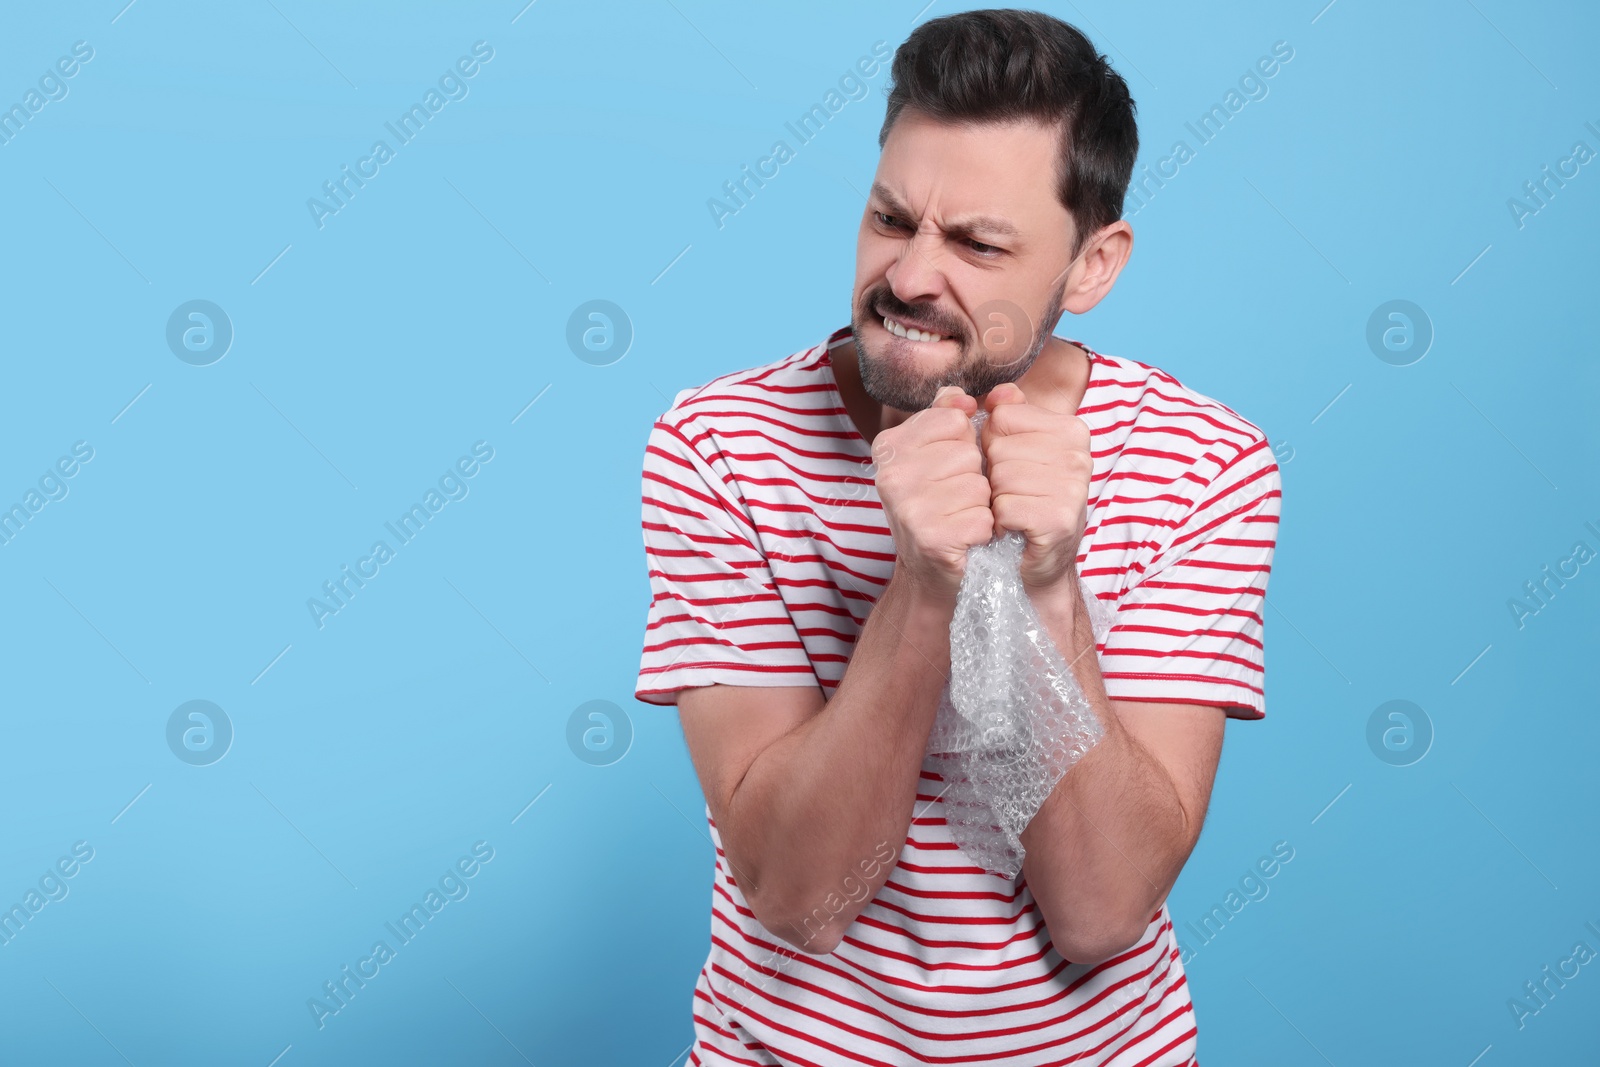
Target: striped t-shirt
[(767, 547)]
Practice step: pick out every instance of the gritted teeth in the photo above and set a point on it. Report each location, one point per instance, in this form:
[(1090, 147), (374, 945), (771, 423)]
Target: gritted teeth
[(910, 333)]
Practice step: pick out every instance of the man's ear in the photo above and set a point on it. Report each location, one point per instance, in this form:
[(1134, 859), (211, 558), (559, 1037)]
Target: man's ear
[(1097, 269)]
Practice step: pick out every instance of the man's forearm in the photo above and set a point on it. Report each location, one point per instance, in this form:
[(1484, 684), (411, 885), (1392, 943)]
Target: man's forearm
[(825, 800), (1109, 841)]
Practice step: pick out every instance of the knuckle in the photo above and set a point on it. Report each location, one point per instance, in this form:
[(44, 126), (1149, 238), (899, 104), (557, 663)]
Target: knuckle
[(951, 421), (972, 489), (979, 527), (1015, 511), (967, 457)]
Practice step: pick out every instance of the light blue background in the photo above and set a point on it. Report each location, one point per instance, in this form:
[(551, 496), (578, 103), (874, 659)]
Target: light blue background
[(426, 315)]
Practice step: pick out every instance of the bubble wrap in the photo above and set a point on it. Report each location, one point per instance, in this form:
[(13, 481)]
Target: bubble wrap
[(1012, 719)]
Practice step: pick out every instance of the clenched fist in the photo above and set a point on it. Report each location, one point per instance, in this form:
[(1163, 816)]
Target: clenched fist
[(935, 496), (1039, 468)]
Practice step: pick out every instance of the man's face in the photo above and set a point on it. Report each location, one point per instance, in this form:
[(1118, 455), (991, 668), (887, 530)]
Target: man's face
[(963, 237)]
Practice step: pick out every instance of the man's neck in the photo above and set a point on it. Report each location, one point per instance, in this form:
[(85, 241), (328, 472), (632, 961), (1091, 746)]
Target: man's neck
[(1057, 380)]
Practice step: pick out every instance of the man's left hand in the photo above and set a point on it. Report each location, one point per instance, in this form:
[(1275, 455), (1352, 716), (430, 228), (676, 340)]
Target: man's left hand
[(1039, 467)]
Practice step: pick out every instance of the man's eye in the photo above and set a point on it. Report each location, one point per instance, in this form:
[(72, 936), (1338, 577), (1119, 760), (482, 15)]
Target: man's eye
[(889, 220), (981, 248)]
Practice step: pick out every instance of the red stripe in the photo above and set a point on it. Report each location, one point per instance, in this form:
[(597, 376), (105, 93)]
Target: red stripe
[(765, 668)]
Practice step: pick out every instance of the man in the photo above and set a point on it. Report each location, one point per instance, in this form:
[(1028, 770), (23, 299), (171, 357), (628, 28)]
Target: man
[(806, 525)]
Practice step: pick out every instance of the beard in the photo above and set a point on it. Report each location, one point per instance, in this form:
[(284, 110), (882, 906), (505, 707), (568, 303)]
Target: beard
[(1007, 344)]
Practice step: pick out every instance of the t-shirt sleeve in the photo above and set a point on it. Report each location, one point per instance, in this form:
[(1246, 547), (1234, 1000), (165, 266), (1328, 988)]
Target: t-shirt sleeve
[(1191, 630), (715, 615)]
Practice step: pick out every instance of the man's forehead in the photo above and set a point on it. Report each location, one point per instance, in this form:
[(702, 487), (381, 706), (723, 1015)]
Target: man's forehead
[(995, 176)]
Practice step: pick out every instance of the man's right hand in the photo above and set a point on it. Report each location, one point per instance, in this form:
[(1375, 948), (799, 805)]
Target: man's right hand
[(934, 494)]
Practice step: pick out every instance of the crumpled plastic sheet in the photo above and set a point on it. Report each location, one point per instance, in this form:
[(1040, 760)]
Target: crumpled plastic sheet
[(1013, 718)]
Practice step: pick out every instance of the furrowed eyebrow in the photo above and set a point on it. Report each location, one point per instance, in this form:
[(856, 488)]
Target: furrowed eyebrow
[(889, 200), (986, 224), (966, 224)]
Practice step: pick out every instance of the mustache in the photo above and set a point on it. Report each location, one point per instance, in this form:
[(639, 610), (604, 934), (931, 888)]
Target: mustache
[(922, 316)]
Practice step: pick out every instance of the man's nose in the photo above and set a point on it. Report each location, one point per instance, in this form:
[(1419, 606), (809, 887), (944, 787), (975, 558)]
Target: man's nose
[(915, 275)]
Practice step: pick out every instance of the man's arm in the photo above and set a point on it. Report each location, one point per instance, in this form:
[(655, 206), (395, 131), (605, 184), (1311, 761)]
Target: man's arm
[(808, 796), (1108, 843), (1106, 846)]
